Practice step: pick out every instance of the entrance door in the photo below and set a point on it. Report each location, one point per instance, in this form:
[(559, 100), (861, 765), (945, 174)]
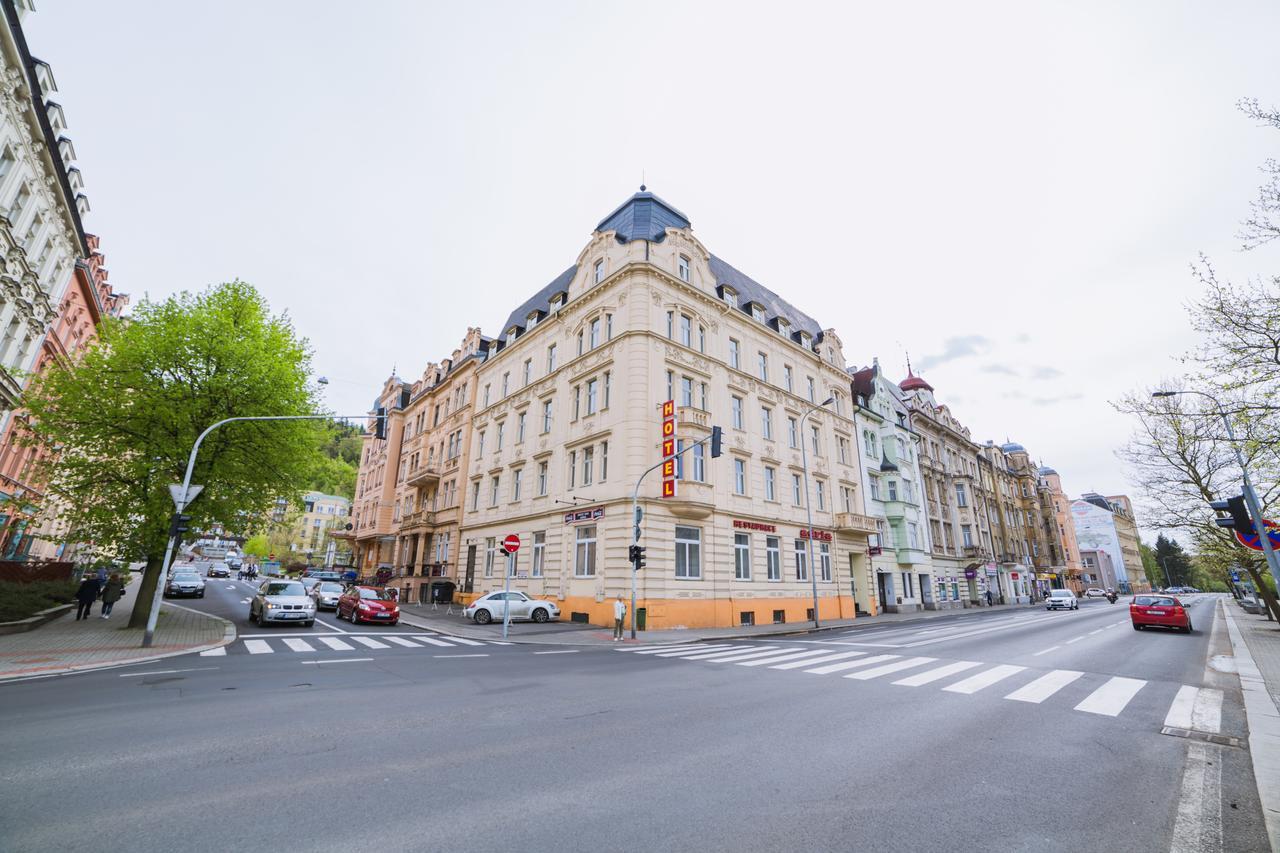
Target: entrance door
[(883, 590), (469, 584), (926, 591)]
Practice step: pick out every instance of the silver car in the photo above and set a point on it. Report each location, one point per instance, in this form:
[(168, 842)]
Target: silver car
[(494, 605), (184, 582), (280, 600), (325, 594)]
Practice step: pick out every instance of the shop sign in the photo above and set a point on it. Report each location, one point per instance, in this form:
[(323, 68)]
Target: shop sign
[(1013, 575), (754, 525), (970, 573), (816, 535), (584, 515), (991, 572), (1044, 576), (669, 449)]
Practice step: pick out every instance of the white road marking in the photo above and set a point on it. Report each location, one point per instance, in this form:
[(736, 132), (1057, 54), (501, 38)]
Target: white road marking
[(299, 645), (500, 643), (464, 641), (401, 641), (559, 652), (1179, 716), (937, 673), (460, 656), (1196, 708), (233, 586), (166, 671), (836, 667), (877, 671), (1046, 651), (369, 641), (748, 655), (1044, 686), (433, 641), (258, 647), (666, 654), (779, 658), (653, 650), (1111, 698), (336, 645), (1091, 633), (1197, 826), (983, 680), (214, 653), (825, 658), (1074, 640), (339, 660)]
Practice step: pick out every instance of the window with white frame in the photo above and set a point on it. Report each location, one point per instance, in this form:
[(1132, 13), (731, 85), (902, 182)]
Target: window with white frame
[(493, 489), (588, 465), (682, 267), (546, 416), (671, 325), (699, 463), (740, 476), (730, 298), (604, 461), (542, 478), (688, 552), (573, 468), (479, 444), (813, 391), (796, 489), (762, 366), (527, 372), (584, 558), (599, 271), (686, 330), (846, 497), (475, 495), (824, 561), (742, 556), (961, 498), (815, 435), (773, 558), (770, 483), (787, 377), (793, 434), (757, 312), (966, 534), (821, 491), (502, 433), (802, 561), (686, 390), (608, 382), (490, 555), (520, 422), (893, 489), (735, 354), (539, 553), (592, 395), (577, 401), (595, 332), (735, 407), (766, 423), (517, 477), (913, 534), (843, 444)]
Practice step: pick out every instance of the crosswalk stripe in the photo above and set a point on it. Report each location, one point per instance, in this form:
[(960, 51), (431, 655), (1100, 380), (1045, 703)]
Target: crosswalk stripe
[(1110, 699), (371, 643), (1179, 716), (983, 680), (401, 641), (653, 650), (1206, 716), (824, 659), (299, 645), (779, 658), (931, 675), (258, 647), (336, 644), (877, 671), (433, 641), (214, 653), (1044, 686), (742, 654), (665, 654), (465, 641), (849, 664)]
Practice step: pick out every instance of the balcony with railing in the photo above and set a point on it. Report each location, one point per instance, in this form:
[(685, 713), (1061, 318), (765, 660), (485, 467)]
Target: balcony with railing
[(423, 474), (689, 416), (853, 522), (420, 518)]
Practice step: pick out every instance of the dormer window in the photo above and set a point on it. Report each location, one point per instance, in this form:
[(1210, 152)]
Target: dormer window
[(511, 335), (532, 320), (599, 271), (730, 297), (757, 311), (557, 302), (682, 267), (784, 328), (806, 340)]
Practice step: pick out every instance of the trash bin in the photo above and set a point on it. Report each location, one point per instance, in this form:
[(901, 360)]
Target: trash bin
[(641, 618)]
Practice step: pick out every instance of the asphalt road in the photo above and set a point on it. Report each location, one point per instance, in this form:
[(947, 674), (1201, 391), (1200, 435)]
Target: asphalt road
[(964, 733)]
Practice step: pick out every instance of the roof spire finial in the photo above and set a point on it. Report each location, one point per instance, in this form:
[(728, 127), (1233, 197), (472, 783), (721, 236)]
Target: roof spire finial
[(909, 373)]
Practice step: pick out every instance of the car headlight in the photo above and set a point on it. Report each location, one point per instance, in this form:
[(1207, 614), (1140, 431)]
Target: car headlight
[(363, 606)]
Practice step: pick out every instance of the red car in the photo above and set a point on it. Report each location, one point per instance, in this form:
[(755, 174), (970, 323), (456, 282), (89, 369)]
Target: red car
[(368, 604), (1162, 610)]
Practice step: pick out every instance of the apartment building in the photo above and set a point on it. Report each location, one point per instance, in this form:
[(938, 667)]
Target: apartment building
[(567, 420), (1063, 530), (1107, 525)]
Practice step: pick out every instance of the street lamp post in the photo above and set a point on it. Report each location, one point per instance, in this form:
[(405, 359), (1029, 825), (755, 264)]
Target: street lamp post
[(1250, 496), (808, 509), (1168, 582)]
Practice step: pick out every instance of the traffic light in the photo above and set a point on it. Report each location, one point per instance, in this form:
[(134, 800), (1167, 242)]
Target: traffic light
[(1237, 515), (636, 554), (717, 439), (380, 425), (181, 524)]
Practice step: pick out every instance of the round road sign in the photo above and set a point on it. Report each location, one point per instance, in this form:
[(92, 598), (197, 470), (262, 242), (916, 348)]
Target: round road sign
[(511, 544), (1251, 540)]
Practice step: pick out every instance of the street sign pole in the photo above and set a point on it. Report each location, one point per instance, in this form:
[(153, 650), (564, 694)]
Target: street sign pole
[(182, 495), (511, 544)]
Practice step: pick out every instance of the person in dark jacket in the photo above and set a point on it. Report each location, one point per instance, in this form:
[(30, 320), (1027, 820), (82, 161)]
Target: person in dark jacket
[(86, 595), (111, 593)]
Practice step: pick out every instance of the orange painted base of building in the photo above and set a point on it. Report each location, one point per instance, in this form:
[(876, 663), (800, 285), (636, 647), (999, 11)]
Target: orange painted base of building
[(668, 613)]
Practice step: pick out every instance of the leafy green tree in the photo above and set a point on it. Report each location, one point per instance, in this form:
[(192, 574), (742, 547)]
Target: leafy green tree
[(1169, 554), (126, 414), (256, 546), (1155, 575)]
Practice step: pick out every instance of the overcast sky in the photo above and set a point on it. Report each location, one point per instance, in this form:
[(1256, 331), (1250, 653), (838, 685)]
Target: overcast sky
[(1010, 192)]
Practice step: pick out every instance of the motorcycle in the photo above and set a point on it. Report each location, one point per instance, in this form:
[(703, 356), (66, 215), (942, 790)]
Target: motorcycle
[(1111, 597)]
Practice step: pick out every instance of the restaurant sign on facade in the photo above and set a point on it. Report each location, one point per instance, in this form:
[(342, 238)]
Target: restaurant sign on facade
[(584, 515), (754, 525), (815, 535)]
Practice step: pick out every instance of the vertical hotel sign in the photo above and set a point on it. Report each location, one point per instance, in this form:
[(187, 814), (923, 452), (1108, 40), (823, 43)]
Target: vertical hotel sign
[(669, 449)]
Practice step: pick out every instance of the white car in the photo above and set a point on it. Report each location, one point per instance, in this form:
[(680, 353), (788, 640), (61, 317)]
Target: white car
[(1063, 598), (1094, 592), (493, 605), (282, 601)]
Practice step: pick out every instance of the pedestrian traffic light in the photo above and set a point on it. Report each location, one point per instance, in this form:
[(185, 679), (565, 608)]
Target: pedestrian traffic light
[(1237, 515), (717, 439), (380, 424), (181, 524), (636, 555)]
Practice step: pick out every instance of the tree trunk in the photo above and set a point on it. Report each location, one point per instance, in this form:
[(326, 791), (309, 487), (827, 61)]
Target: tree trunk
[(1273, 610), (146, 591)]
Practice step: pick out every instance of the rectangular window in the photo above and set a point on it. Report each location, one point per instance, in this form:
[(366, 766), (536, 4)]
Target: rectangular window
[(735, 354), (577, 401), (608, 388), (584, 558), (546, 416), (490, 555), (802, 561), (502, 432), (688, 552), (595, 333), (736, 409), (961, 498), (686, 391), (517, 477), (671, 385), (843, 444), (702, 397), (740, 476), (874, 483), (742, 556), (592, 386), (608, 327), (773, 558), (796, 489), (813, 393), (599, 271), (604, 461), (479, 443), (846, 493), (475, 496), (793, 434), (542, 478), (913, 534), (686, 330), (824, 561), (581, 336), (699, 463), (493, 491), (671, 325), (822, 494), (506, 383), (702, 339), (893, 490), (486, 395), (527, 374), (966, 534), (520, 421), (539, 553), (814, 436), (766, 423), (786, 377), (682, 267), (762, 364), (770, 484), (908, 587), (573, 466), (588, 463)]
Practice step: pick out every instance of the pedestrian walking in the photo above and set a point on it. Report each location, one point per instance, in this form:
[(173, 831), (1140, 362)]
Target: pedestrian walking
[(111, 593), (86, 595), (989, 598), (619, 615)]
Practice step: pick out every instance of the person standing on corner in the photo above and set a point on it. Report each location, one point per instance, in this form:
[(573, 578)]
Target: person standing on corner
[(86, 595), (989, 597), (111, 593), (619, 616)]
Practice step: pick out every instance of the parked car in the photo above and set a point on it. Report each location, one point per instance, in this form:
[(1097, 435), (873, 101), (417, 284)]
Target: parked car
[(1162, 611), (493, 605), (218, 570), (326, 594), (368, 604), (280, 600), (1094, 592), (308, 583), (184, 582), (1061, 598), (324, 575)]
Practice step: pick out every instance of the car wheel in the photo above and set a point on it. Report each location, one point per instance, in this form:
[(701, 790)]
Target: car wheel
[(540, 615), (1137, 627), (1187, 630), (482, 617), (355, 617), (308, 624)]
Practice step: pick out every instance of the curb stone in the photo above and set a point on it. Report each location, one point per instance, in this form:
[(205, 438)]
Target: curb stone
[(1264, 729)]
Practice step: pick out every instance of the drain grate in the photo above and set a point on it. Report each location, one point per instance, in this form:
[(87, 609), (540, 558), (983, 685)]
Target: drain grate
[(1220, 740)]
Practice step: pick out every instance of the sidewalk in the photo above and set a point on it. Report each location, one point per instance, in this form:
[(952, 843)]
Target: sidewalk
[(573, 634), (65, 645), (1255, 643)]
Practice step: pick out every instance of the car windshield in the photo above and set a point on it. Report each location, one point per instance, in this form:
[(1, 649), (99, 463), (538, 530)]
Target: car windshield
[(1154, 601), (186, 576), (1061, 593), (380, 594), (285, 588), (329, 587)]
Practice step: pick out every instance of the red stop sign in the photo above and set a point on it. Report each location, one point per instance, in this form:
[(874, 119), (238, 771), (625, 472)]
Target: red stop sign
[(511, 544)]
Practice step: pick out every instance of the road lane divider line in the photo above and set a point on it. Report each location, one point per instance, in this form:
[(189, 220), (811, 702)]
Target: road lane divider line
[(1197, 825), (1111, 698), (461, 656), (258, 647), (167, 671), (1074, 640), (983, 680), (886, 669), (931, 675), (560, 652), (1046, 651), (1044, 686), (369, 641), (336, 645), (339, 660), (850, 664), (1098, 631), (811, 661), (299, 645)]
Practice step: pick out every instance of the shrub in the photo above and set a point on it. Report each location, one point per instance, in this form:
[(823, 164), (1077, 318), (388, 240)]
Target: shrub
[(21, 600)]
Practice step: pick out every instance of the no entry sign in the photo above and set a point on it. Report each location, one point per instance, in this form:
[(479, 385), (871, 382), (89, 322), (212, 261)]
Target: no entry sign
[(1251, 540), (511, 544)]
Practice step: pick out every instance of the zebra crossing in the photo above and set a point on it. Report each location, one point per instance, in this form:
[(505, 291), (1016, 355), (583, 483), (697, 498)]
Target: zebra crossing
[(1193, 708), (346, 643)]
